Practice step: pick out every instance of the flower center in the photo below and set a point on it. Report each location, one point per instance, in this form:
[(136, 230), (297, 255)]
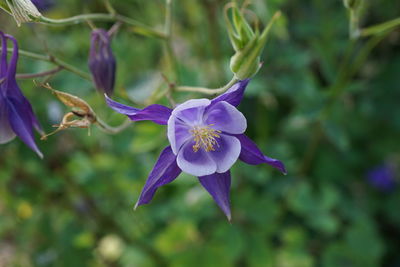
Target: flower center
[(205, 137)]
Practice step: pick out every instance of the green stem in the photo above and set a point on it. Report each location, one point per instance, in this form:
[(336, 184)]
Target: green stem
[(207, 91), (113, 130), (168, 19), (137, 26), (354, 24), (55, 61), (339, 86), (376, 29), (312, 147), (39, 74), (169, 51), (348, 70), (109, 7)]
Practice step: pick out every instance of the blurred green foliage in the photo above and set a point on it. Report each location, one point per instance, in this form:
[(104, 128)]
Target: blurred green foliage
[(328, 118)]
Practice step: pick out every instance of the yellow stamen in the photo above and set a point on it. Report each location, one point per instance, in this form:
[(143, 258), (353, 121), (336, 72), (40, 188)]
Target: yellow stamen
[(205, 137)]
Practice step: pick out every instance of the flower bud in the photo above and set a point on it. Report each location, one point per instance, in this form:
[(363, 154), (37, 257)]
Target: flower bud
[(248, 44), (351, 4), (102, 63), (43, 5), (23, 11)]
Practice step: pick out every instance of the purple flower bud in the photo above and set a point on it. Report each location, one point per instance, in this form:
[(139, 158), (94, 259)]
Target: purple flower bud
[(16, 114), (43, 5), (102, 62), (382, 177)]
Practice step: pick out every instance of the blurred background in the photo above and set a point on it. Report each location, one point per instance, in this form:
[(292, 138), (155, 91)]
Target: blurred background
[(324, 105)]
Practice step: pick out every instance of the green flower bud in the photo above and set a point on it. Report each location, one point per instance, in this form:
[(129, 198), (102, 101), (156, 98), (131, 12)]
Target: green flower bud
[(248, 44), (22, 10), (245, 63), (351, 4)]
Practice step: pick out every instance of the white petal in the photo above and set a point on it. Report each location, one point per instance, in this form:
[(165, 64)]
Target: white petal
[(178, 133), (195, 163), (226, 153)]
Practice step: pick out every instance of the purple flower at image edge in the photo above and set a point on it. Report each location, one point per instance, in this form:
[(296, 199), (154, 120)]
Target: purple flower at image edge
[(16, 114), (382, 177), (102, 62), (43, 5), (206, 138)]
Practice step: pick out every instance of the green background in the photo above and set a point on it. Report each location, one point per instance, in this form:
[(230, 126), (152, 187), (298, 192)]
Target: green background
[(330, 120)]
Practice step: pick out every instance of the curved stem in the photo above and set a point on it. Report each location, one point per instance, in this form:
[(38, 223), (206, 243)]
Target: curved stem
[(39, 74), (110, 129), (137, 26), (207, 91), (380, 27), (55, 61)]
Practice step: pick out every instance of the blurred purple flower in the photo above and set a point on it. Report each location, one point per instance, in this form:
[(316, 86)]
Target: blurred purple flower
[(16, 114), (102, 63), (206, 138), (382, 177), (43, 5)]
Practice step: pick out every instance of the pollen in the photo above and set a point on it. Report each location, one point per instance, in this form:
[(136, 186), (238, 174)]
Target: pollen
[(205, 137)]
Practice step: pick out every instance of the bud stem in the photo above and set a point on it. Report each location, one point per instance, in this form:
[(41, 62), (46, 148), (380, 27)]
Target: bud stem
[(376, 29), (55, 61), (110, 129), (39, 74), (137, 26), (207, 91), (354, 25)]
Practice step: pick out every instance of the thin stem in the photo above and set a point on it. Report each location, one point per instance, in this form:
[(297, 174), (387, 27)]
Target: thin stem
[(168, 19), (354, 24), (114, 29), (137, 26), (336, 90), (312, 147), (39, 74), (168, 92), (110, 129), (207, 91), (109, 7), (379, 28), (55, 61), (169, 51), (214, 33)]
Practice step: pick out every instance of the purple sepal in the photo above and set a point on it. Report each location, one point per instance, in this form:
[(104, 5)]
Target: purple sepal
[(21, 122), (234, 94), (102, 63), (156, 113), (16, 111), (251, 154), (218, 185), (43, 5), (164, 172)]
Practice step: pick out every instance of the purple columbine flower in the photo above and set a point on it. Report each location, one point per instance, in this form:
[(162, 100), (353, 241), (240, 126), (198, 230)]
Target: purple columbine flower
[(43, 5), (382, 177), (102, 63), (206, 138), (16, 114)]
